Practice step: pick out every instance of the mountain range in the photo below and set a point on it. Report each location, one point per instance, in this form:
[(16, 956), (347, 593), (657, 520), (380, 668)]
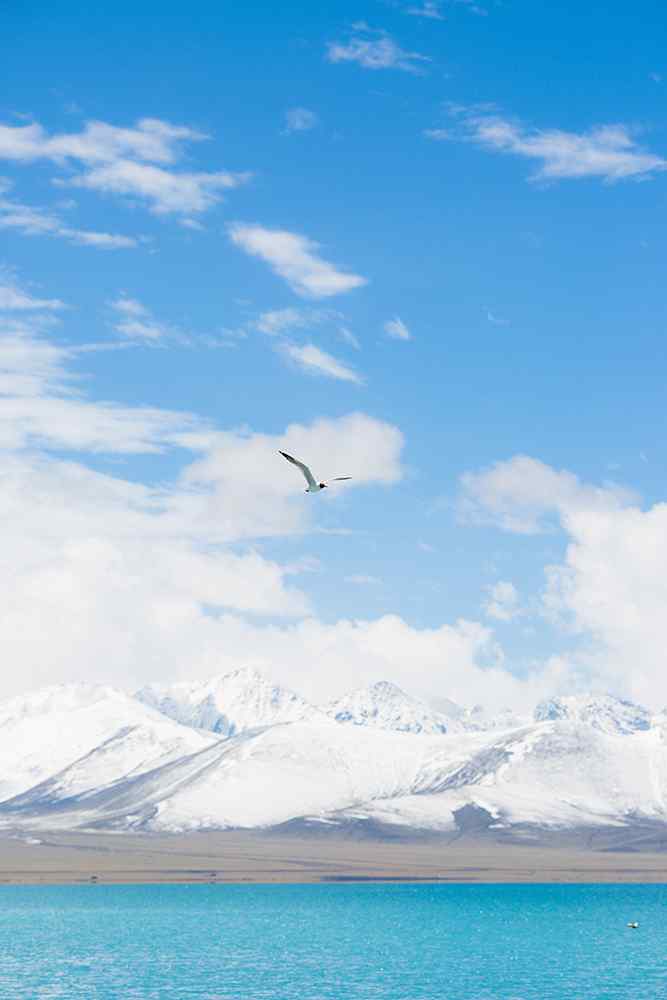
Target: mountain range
[(239, 751)]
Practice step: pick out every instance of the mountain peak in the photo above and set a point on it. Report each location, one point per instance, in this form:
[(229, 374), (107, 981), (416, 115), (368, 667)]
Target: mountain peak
[(384, 705), (230, 703), (603, 712)]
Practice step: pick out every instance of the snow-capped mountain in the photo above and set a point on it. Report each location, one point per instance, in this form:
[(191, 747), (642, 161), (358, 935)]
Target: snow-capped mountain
[(386, 706), (609, 715), (556, 775), (84, 757), (227, 705), (48, 730), (477, 719)]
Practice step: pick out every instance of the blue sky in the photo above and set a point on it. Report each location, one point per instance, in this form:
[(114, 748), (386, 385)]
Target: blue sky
[(270, 193)]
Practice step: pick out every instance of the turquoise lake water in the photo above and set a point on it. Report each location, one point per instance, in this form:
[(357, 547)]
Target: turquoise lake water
[(399, 942)]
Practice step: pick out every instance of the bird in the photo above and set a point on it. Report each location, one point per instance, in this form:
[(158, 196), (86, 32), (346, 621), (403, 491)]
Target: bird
[(313, 485), (634, 924)]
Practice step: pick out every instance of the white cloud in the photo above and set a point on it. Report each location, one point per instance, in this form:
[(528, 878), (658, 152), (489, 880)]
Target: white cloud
[(110, 579), (125, 161), (496, 320), (32, 221), (610, 591), (606, 151), (136, 322), (503, 602), (430, 9), (165, 191), (151, 139), (294, 258), (397, 330), (15, 299), (349, 338), (277, 321), (375, 50), (317, 362), (362, 580), (39, 406), (300, 120), (356, 445), (522, 494), (459, 661)]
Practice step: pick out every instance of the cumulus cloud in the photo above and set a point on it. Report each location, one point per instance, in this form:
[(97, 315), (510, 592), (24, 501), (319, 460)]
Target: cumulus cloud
[(295, 259), (300, 120), (109, 579), (236, 462), (31, 221), (134, 162), (396, 329), (315, 361), (461, 661), (375, 50), (609, 592), (609, 152), (522, 495)]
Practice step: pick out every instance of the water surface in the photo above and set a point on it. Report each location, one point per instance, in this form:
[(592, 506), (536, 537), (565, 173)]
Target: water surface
[(311, 942)]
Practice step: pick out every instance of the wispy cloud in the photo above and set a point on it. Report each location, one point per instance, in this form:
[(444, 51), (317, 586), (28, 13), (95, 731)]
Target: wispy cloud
[(30, 221), (300, 120), (362, 580), (294, 258), (125, 161), (164, 191), (396, 329), (13, 298), (150, 139), (277, 321), (431, 9), (136, 322), (609, 152), (349, 338), (375, 50), (496, 320), (317, 362), (503, 602)]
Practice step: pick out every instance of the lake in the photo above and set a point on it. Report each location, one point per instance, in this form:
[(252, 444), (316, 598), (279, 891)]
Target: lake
[(325, 942)]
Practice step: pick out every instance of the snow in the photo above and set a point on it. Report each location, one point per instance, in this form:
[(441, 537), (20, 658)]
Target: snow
[(48, 730), (609, 715), (230, 704), (386, 706), (88, 757)]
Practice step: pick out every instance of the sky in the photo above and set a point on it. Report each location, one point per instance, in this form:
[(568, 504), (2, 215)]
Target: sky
[(418, 244)]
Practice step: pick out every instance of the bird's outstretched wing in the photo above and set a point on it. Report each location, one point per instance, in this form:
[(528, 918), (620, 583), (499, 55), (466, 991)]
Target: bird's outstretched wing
[(300, 465), (339, 479)]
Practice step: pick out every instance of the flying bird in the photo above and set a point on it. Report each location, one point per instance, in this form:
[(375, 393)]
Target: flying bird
[(313, 485)]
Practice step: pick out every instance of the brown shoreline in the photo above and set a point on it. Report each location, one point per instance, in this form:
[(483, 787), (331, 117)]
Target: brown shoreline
[(254, 857)]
